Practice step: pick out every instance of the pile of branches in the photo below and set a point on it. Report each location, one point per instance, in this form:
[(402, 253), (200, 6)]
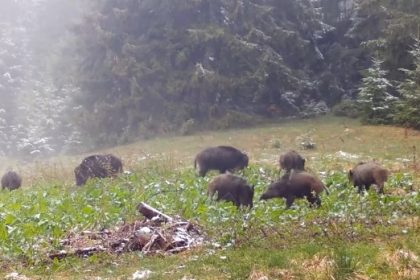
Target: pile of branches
[(157, 233)]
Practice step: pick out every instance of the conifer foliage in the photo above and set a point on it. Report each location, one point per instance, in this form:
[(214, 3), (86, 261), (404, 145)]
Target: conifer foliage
[(376, 101), (151, 67), (409, 106), (76, 75)]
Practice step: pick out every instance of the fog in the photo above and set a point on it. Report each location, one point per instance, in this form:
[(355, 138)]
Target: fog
[(79, 75), (33, 102)]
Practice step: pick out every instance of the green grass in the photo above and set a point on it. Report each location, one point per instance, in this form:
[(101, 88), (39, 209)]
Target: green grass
[(350, 237)]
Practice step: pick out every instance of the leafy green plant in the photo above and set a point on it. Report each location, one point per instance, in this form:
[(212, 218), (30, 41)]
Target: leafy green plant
[(345, 263), (344, 230)]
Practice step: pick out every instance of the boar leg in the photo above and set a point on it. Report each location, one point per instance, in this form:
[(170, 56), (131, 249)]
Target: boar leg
[(211, 194), (229, 197), (314, 200), (381, 188), (289, 201), (360, 189)]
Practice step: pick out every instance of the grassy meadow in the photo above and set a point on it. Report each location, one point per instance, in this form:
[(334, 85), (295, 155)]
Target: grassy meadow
[(350, 236)]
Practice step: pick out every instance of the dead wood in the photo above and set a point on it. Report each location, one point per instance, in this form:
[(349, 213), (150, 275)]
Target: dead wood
[(164, 234), (150, 212)]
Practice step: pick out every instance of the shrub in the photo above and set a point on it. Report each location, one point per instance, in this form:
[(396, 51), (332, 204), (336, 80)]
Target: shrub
[(346, 108)]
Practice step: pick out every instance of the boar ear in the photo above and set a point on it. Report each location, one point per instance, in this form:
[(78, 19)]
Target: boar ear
[(350, 172)]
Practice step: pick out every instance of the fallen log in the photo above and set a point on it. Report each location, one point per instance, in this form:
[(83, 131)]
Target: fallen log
[(82, 252), (157, 233), (150, 212)]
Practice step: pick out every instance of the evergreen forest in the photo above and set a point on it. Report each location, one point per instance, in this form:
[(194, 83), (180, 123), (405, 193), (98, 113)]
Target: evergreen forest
[(75, 75)]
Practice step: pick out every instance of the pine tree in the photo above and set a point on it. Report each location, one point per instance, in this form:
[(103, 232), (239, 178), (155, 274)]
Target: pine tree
[(409, 106), (138, 60), (376, 101)]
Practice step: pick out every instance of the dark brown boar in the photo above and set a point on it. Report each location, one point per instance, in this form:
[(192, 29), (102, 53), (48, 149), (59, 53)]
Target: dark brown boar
[(292, 160), (99, 166), (231, 188), (365, 174), (11, 180), (222, 158), (297, 185)]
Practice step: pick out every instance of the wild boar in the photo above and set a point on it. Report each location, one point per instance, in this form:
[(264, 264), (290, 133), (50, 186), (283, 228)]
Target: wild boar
[(99, 166), (231, 188), (222, 158), (11, 181), (364, 174), (292, 160), (298, 185)]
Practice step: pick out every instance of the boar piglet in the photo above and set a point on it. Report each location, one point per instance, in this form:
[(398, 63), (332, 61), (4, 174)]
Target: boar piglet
[(11, 181), (231, 188), (365, 174), (99, 166), (292, 160), (296, 185)]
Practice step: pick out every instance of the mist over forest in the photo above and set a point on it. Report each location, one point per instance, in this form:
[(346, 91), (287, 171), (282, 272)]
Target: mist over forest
[(77, 75)]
